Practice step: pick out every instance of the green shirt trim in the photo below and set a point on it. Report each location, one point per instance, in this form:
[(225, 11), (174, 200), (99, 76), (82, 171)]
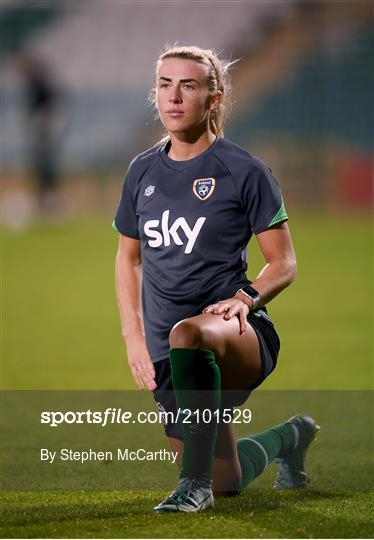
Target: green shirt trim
[(114, 226), (281, 215)]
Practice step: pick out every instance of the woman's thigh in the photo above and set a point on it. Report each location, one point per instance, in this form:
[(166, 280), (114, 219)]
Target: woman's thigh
[(238, 355)]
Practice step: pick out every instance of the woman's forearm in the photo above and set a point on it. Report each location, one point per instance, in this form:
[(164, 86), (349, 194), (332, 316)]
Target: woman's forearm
[(128, 290), (273, 278), (128, 280)]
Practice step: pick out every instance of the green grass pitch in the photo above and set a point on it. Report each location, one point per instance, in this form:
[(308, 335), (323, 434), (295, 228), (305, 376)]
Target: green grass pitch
[(60, 330)]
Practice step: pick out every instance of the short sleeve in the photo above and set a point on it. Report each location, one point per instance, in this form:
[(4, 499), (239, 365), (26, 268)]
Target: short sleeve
[(126, 220), (263, 200)]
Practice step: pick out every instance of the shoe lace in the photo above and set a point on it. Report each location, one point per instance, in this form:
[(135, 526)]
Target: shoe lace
[(183, 490), (288, 473), (284, 472)]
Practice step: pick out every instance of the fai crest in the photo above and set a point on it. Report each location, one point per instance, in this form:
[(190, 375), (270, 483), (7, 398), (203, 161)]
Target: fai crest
[(203, 188)]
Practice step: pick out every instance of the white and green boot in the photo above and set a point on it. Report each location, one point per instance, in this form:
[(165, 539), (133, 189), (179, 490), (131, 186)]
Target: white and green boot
[(189, 496)]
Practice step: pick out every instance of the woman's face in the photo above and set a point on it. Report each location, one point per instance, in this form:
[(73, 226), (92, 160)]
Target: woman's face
[(182, 96)]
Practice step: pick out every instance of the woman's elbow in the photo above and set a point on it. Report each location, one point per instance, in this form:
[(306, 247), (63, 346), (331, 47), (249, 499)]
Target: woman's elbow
[(291, 270)]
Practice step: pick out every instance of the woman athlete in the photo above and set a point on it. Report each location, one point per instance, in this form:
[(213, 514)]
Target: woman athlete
[(198, 334)]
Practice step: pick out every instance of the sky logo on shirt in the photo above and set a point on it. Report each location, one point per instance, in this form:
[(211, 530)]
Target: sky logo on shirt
[(172, 232)]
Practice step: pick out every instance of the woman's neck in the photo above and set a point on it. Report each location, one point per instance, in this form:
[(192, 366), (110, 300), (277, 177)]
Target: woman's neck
[(183, 148)]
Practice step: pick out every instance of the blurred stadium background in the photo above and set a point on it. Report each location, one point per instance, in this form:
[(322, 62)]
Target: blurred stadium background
[(75, 79)]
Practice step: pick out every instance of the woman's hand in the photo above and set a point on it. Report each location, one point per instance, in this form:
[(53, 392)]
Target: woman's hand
[(230, 307), (140, 362)]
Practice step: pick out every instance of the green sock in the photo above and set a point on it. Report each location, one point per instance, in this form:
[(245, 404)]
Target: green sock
[(197, 383), (257, 451)]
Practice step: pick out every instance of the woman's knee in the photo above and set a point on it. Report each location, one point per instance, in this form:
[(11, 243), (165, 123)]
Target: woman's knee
[(186, 334), (192, 333)]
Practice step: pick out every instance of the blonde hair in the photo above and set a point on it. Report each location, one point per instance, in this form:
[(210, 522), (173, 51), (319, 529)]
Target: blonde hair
[(218, 80)]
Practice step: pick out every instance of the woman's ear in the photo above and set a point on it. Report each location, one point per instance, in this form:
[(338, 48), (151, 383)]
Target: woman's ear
[(152, 95), (216, 100)]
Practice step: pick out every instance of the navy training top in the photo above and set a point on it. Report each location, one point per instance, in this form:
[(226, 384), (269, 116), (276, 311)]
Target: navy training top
[(194, 219)]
